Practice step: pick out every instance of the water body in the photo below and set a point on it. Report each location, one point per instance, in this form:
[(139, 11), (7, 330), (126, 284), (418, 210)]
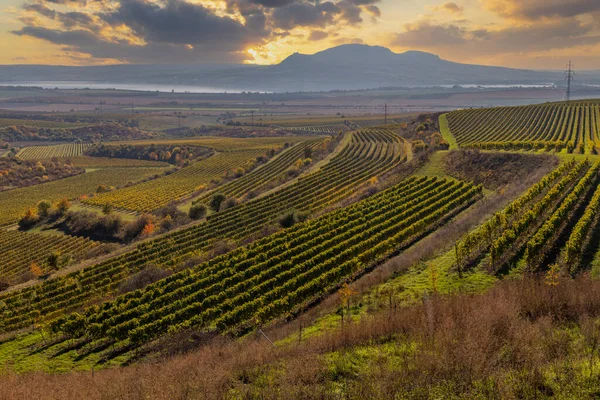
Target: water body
[(146, 87)]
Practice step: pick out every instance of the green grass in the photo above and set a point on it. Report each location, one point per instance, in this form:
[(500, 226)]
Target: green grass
[(437, 276), (19, 355), (446, 134)]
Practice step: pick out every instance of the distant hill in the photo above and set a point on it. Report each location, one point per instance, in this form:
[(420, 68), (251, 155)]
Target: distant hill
[(340, 68)]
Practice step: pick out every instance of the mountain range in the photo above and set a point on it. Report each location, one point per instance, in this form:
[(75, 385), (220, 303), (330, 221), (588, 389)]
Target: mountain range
[(346, 67)]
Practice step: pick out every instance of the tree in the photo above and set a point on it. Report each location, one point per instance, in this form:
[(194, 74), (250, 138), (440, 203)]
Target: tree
[(107, 208), (44, 207), (215, 202), (35, 270), (29, 219), (63, 206), (54, 260), (197, 211)]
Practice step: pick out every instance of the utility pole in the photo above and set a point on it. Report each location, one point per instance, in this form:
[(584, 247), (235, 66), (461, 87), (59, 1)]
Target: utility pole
[(569, 76), (385, 114), (179, 116), (252, 113), (132, 108)]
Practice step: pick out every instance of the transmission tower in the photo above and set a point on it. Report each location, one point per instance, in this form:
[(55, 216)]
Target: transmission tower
[(569, 76)]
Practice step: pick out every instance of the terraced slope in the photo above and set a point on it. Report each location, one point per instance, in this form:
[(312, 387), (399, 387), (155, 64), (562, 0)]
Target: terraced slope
[(149, 196), (14, 203), (19, 250), (275, 275), (550, 224), (369, 154), (58, 151), (263, 175), (573, 126)]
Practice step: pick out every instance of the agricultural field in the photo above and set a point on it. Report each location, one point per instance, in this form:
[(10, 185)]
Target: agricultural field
[(277, 274), (222, 144), (369, 154), (548, 227), (572, 127), (398, 245), (14, 203), (263, 175), (40, 123), (19, 251), (58, 151), (156, 193), (331, 129), (106, 162)]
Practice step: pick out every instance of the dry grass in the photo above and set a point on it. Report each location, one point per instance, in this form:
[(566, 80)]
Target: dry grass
[(497, 345)]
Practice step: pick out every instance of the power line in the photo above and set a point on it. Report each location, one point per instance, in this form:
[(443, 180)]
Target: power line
[(569, 76)]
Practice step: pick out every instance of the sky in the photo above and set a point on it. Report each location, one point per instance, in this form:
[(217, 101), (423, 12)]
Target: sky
[(536, 34)]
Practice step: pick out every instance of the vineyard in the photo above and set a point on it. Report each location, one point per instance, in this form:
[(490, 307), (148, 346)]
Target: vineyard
[(369, 154), (19, 251), (58, 151), (549, 225), (329, 129), (106, 162), (265, 174), (275, 275), (156, 193), (573, 127), (14, 203)]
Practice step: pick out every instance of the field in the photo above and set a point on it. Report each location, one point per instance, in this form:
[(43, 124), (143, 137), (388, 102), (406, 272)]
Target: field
[(574, 127), (154, 194), (4, 122), (412, 260), (58, 151), (105, 162), (14, 203), (275, 275), (368, 154), (255, 180), (18, 251)]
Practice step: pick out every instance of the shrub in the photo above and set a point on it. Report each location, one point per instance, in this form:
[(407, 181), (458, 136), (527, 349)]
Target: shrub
[(215, 202), (230, 202), (148, 275), (29, 219), (44, 207), (198, 211)]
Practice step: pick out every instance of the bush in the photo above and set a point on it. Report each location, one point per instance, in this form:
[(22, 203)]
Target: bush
[(4, 285), (29, 219), (136, 228), (215, 202), (291, 218), (107, 208), (148, 275), (198, 211), (44, 207), (230, 202)]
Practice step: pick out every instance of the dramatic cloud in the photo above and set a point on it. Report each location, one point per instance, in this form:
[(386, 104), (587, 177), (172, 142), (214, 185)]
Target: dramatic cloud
[(536, 9), (559, 34), (185, 28), (450, 7)]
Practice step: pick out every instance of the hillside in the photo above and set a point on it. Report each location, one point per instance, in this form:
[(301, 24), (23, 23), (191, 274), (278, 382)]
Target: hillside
[(344, 67)]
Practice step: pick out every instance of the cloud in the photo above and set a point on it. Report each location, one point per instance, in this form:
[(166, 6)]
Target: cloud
[(318, 35), (537, 9), (450, 7), (455, 39), (189, 30)]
